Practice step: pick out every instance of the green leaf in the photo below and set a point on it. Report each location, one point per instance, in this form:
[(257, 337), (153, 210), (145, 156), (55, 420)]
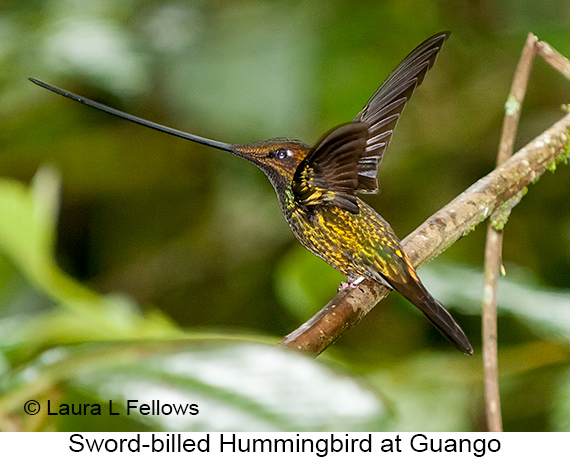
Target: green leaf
[(235, 386), (27, 222), (431, 392), (28, 218)]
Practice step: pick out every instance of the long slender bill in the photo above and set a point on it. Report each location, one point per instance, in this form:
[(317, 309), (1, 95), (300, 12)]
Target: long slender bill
[(137, 120)]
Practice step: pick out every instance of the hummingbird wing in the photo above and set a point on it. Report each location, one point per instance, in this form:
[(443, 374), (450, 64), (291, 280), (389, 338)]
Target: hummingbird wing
[(385, 107), (346, 160), (329, 174)]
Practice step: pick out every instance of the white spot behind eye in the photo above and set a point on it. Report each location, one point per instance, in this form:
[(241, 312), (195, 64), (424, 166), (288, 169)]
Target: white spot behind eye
[(282, 153)]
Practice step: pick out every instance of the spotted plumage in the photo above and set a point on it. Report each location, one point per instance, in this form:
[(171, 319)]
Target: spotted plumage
[(317, 187)]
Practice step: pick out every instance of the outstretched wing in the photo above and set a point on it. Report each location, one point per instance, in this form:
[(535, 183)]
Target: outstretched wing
[(385, 107), (329, 174), (346, 160)]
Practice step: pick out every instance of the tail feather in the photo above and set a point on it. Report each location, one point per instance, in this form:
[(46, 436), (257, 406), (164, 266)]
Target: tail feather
[(437, 315), (445, 323)]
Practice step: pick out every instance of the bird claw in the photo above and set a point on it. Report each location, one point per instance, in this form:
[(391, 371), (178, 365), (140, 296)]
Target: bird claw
[(351, 284), (345, 285)]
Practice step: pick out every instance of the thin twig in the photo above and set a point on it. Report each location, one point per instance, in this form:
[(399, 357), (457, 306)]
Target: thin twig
[(556, 60), (494, 244), (493, 260), (436, 234), (493, 248)]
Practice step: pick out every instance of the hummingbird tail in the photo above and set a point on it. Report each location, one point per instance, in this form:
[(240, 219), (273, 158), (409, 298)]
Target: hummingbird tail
[(443, 321)]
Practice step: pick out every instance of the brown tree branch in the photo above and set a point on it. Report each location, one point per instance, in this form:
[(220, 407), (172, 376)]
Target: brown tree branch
[(494, 243), (556, 60), (493, 262), (493, 247), (436, 234)]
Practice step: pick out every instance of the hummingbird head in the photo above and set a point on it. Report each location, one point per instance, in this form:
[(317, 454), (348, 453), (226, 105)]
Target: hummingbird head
[(278, 158)]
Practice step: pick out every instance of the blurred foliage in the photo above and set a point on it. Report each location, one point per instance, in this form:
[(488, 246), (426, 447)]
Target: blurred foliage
[(133, 264)]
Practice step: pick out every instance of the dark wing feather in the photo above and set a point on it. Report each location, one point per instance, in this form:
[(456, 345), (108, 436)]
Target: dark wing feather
[(383, 110), (329, 175), (346, 160)]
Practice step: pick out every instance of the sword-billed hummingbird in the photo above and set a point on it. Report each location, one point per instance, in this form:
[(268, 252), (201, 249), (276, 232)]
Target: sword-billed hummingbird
[(317, 187)]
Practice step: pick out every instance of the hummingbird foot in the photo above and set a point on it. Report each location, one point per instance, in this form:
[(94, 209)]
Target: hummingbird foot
[(351, 284)]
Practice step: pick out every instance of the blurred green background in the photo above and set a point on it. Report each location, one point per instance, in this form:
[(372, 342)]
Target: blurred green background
[(181, 252)]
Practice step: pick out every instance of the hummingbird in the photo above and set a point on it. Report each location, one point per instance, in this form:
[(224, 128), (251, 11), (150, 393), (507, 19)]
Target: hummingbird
[(317, 187)]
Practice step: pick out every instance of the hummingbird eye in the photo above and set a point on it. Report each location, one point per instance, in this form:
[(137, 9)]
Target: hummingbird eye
[(283, 153), (280, 154)]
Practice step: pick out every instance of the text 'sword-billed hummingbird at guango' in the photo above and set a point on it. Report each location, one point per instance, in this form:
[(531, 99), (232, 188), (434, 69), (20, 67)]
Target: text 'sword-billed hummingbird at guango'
[(317, 187)]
